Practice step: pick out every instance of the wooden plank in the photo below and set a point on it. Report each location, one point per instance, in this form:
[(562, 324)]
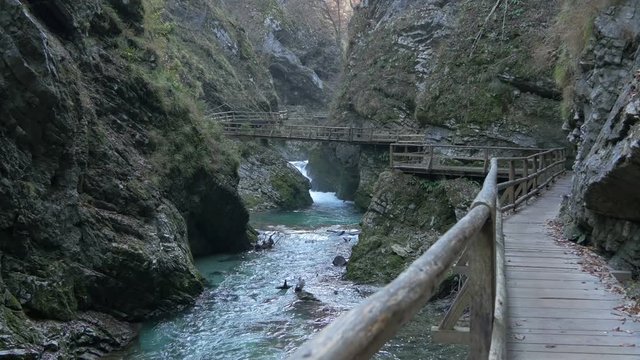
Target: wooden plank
[(568, 324), (565, 303), (582, 333), (561, 294), (560, 313), (603, 350), (518, 274), (551, 262), (555, 284), (576, 339), (531, 355)]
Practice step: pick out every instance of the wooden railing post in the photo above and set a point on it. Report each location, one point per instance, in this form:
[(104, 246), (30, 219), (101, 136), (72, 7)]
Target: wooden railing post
[(485, 166), (512, 175), (482, 288), (391, 156), (525, 174), (535, 171)]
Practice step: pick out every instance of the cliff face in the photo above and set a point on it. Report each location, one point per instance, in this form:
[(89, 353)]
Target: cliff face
[(268, 181), (110, 179), (436, 67), (603, 207), (439, 67), (294, 43)]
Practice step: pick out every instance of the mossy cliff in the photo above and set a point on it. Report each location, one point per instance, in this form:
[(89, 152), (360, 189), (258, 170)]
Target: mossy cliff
[(603, 82), (110, 178), (437, 66), (406, 216), (268, 181)]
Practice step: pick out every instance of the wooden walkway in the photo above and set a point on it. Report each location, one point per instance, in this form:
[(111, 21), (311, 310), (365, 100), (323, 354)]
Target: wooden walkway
[(556, 310)]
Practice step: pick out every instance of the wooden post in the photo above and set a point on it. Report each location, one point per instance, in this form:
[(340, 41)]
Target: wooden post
[(512, 176), (525, 174), (485, 167), (431, 158), (391, 156), (535, 171), (482, 288)]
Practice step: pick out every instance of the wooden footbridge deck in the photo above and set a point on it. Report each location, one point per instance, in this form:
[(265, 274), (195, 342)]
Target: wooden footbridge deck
[(524, 297), (557, 310)]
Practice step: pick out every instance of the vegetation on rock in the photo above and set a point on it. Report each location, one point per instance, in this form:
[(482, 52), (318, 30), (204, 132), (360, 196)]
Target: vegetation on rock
[(111, 179), (267, 181), (406, 216)]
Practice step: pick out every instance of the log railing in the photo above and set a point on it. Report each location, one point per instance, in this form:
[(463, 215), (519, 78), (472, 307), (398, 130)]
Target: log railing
[(473, 247)]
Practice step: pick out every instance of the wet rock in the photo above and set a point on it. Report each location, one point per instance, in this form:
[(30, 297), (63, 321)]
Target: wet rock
[(339, 261), (306, 296), (267, 181), (19, 354)]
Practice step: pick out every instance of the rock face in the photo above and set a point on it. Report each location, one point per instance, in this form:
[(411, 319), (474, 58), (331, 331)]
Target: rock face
[(418, 65), (405, 217), (349, 171), (603, 207), (292, 38), (110, 181), (267, 181)]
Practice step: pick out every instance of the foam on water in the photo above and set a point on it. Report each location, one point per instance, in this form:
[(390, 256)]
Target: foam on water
[(319, 198)]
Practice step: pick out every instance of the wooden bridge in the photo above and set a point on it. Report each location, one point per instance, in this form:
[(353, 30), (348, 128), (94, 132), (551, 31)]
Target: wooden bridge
[(277, 126), (525, 297)]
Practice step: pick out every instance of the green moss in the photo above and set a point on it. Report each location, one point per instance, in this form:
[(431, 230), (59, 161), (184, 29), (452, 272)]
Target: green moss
[(292, 194), (406, 216)]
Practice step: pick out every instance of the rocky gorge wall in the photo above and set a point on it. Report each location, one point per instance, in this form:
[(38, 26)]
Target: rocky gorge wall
[(268, 181), (603, 208), (292, 39), (110, 178), (406, 216), (437, 68)]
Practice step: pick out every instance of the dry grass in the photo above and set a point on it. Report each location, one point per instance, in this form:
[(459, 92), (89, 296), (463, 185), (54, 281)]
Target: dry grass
[(568, 39)]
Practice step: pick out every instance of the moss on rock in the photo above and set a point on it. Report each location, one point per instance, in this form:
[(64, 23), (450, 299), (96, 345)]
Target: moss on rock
[(406, 216)]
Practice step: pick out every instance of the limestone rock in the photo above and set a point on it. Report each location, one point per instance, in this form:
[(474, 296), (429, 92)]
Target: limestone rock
[(604, 202), (110, 182), (267, 181), (406, 215)]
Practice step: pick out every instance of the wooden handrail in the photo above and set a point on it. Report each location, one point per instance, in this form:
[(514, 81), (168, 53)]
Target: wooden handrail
[(360, 332)]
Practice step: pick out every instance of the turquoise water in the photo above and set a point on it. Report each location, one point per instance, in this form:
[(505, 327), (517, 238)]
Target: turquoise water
[(241, 314)]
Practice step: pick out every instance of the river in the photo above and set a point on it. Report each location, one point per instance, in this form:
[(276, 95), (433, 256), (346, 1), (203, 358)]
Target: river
[(241, 314)]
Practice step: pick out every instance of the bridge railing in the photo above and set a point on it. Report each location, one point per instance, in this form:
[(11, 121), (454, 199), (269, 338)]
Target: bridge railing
[(249, 116), (264, 128), (453, 159), (474, 248)]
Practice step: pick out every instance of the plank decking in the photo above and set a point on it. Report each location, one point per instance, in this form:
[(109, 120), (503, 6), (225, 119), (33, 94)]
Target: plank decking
[(556, 310)]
